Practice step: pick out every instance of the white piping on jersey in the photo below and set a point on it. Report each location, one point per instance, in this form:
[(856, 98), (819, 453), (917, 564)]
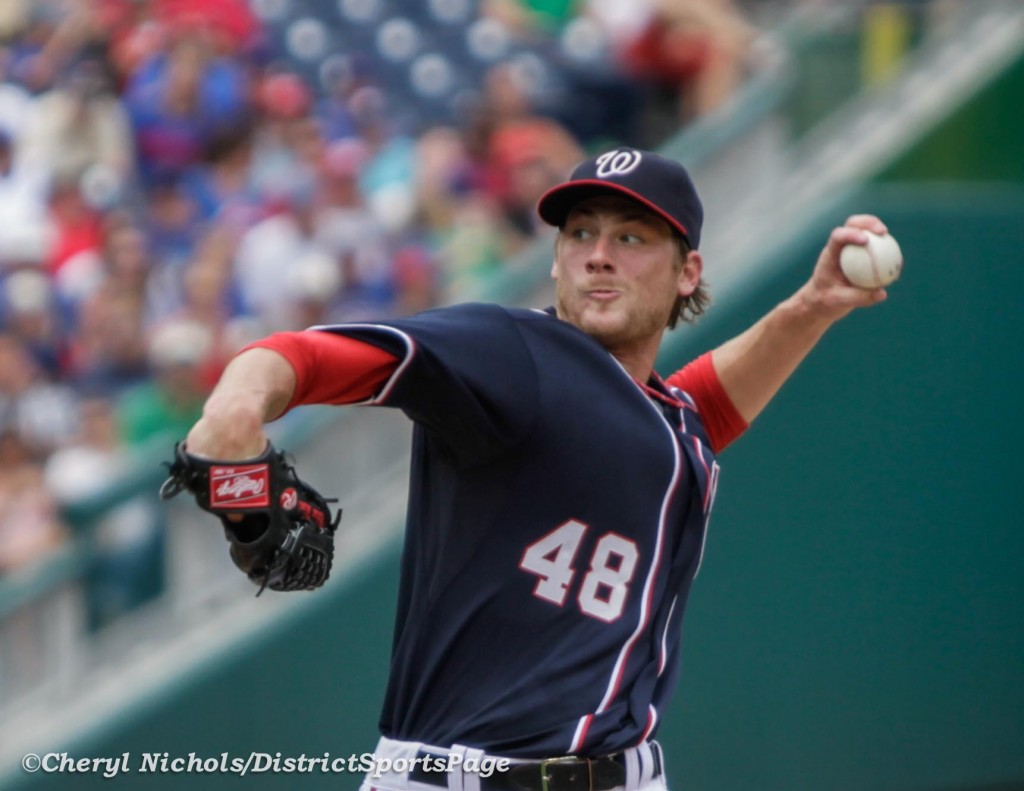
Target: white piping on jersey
[(410, 351), (645, 602), (652, 720), (581, 732), (663, 659), (709, 499), (684, 396), (699, 447)]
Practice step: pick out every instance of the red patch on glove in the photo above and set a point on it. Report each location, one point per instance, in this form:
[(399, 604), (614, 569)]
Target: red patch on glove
[(240, 487)]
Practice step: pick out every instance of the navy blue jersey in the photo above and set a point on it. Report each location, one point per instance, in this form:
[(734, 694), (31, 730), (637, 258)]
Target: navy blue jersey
[(557, 513)]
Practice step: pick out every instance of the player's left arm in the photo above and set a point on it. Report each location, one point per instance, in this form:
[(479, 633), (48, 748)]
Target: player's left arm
[(753, 365)]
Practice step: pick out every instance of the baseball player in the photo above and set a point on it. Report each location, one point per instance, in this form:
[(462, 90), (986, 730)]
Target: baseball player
[(560, 489)]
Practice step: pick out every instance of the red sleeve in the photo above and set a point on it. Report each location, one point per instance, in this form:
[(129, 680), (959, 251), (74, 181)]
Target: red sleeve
[(719, 415), (331, 368)]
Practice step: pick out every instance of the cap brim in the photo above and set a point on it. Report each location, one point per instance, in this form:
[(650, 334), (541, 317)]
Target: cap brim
[(555, 204)]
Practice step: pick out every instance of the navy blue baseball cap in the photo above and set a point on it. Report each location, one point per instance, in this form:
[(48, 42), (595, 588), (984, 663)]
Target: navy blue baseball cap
[(659, 183)]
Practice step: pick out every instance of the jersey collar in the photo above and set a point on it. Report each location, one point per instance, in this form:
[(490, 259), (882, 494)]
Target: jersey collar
[(655, 386)]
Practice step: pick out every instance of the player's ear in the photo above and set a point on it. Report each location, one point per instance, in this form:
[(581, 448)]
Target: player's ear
[(690, 272)]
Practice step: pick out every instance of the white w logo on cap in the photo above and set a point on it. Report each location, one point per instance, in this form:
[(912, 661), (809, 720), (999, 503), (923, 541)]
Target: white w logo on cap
[(618, 162)]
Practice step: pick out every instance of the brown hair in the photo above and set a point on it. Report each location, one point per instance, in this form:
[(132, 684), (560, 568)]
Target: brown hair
[(691, 307)]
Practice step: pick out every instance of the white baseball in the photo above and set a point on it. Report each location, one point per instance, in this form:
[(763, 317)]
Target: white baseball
[(876, 264)]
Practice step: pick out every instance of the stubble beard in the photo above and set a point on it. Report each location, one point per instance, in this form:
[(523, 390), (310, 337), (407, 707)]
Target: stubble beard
[(638, 324)]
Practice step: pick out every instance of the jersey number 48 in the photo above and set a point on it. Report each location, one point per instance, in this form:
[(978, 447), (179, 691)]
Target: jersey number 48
[(602, 594)]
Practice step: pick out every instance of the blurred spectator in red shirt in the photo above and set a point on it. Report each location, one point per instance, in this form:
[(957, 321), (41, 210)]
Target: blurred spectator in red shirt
[(230, 25), (527, 152), (77, 226), (698, 48)]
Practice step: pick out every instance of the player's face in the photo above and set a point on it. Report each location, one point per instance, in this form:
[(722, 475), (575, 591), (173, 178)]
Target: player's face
[(619, 271)]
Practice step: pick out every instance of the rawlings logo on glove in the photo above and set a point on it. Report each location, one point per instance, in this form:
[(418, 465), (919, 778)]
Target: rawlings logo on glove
[(280, 528), (234, 486)]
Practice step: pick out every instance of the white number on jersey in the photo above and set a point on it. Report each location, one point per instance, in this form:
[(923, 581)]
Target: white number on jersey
[(550, 558), (603, 592)]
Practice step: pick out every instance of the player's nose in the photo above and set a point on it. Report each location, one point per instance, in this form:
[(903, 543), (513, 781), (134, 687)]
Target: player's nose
[(599, 258)]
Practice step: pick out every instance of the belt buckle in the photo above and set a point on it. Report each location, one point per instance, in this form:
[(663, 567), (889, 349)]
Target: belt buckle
[(574, 781), (568, 759)]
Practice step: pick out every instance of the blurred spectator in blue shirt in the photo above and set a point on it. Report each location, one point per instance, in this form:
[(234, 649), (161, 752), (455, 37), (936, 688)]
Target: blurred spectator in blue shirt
[(172, 219), (222, 184), (28, 312), (179, 99)]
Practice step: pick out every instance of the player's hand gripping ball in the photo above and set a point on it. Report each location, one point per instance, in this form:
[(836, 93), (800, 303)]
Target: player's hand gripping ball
[(876, 264)]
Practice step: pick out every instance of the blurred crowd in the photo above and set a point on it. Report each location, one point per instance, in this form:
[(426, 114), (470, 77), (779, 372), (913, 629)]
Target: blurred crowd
[(172, 186)]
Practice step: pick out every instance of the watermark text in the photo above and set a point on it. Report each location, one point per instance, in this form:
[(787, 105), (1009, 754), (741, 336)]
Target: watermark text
[(256, 763)]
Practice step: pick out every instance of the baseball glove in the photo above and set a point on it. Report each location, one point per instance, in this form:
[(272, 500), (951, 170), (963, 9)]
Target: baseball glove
[(280, 528)]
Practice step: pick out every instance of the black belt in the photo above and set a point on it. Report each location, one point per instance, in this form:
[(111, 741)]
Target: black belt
[(552, 774)]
